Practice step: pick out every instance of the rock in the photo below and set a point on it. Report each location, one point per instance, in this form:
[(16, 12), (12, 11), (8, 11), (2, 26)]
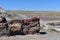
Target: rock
[(25, 26), (3, 25), (32, 26), (14, 28), (25, 31)]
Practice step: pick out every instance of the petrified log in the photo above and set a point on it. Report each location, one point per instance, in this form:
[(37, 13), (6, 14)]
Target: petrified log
[(15, 28), (3, 25), (25, 31), (3, 19), (25, 26), (32, 27), (3, 22), (33, 30)]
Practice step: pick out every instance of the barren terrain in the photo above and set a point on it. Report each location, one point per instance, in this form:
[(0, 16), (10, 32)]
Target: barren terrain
[(44, 15)]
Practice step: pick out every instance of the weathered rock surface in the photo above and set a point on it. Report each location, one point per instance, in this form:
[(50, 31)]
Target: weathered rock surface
[(24, 26)]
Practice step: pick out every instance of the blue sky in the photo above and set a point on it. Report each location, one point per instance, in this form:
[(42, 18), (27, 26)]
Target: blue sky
[(45, 5)]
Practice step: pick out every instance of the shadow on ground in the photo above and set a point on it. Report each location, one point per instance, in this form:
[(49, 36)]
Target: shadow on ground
[(43, 33)]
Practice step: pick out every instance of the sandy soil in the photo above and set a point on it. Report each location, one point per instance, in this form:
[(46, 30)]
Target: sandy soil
[(50, 35)]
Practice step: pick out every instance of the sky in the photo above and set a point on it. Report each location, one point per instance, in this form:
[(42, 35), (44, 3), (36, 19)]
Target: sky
[(44, 5)]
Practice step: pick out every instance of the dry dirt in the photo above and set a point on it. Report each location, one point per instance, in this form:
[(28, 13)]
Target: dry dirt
[(51, 35)]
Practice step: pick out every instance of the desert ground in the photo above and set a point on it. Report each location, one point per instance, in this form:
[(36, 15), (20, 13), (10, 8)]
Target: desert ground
[(50, 35), (44, 15)]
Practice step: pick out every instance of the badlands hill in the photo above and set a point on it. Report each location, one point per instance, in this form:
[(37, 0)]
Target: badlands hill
[(45, 15)]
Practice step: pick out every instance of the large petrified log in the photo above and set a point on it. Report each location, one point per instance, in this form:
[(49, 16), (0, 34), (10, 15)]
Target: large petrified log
[(25, 26)]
